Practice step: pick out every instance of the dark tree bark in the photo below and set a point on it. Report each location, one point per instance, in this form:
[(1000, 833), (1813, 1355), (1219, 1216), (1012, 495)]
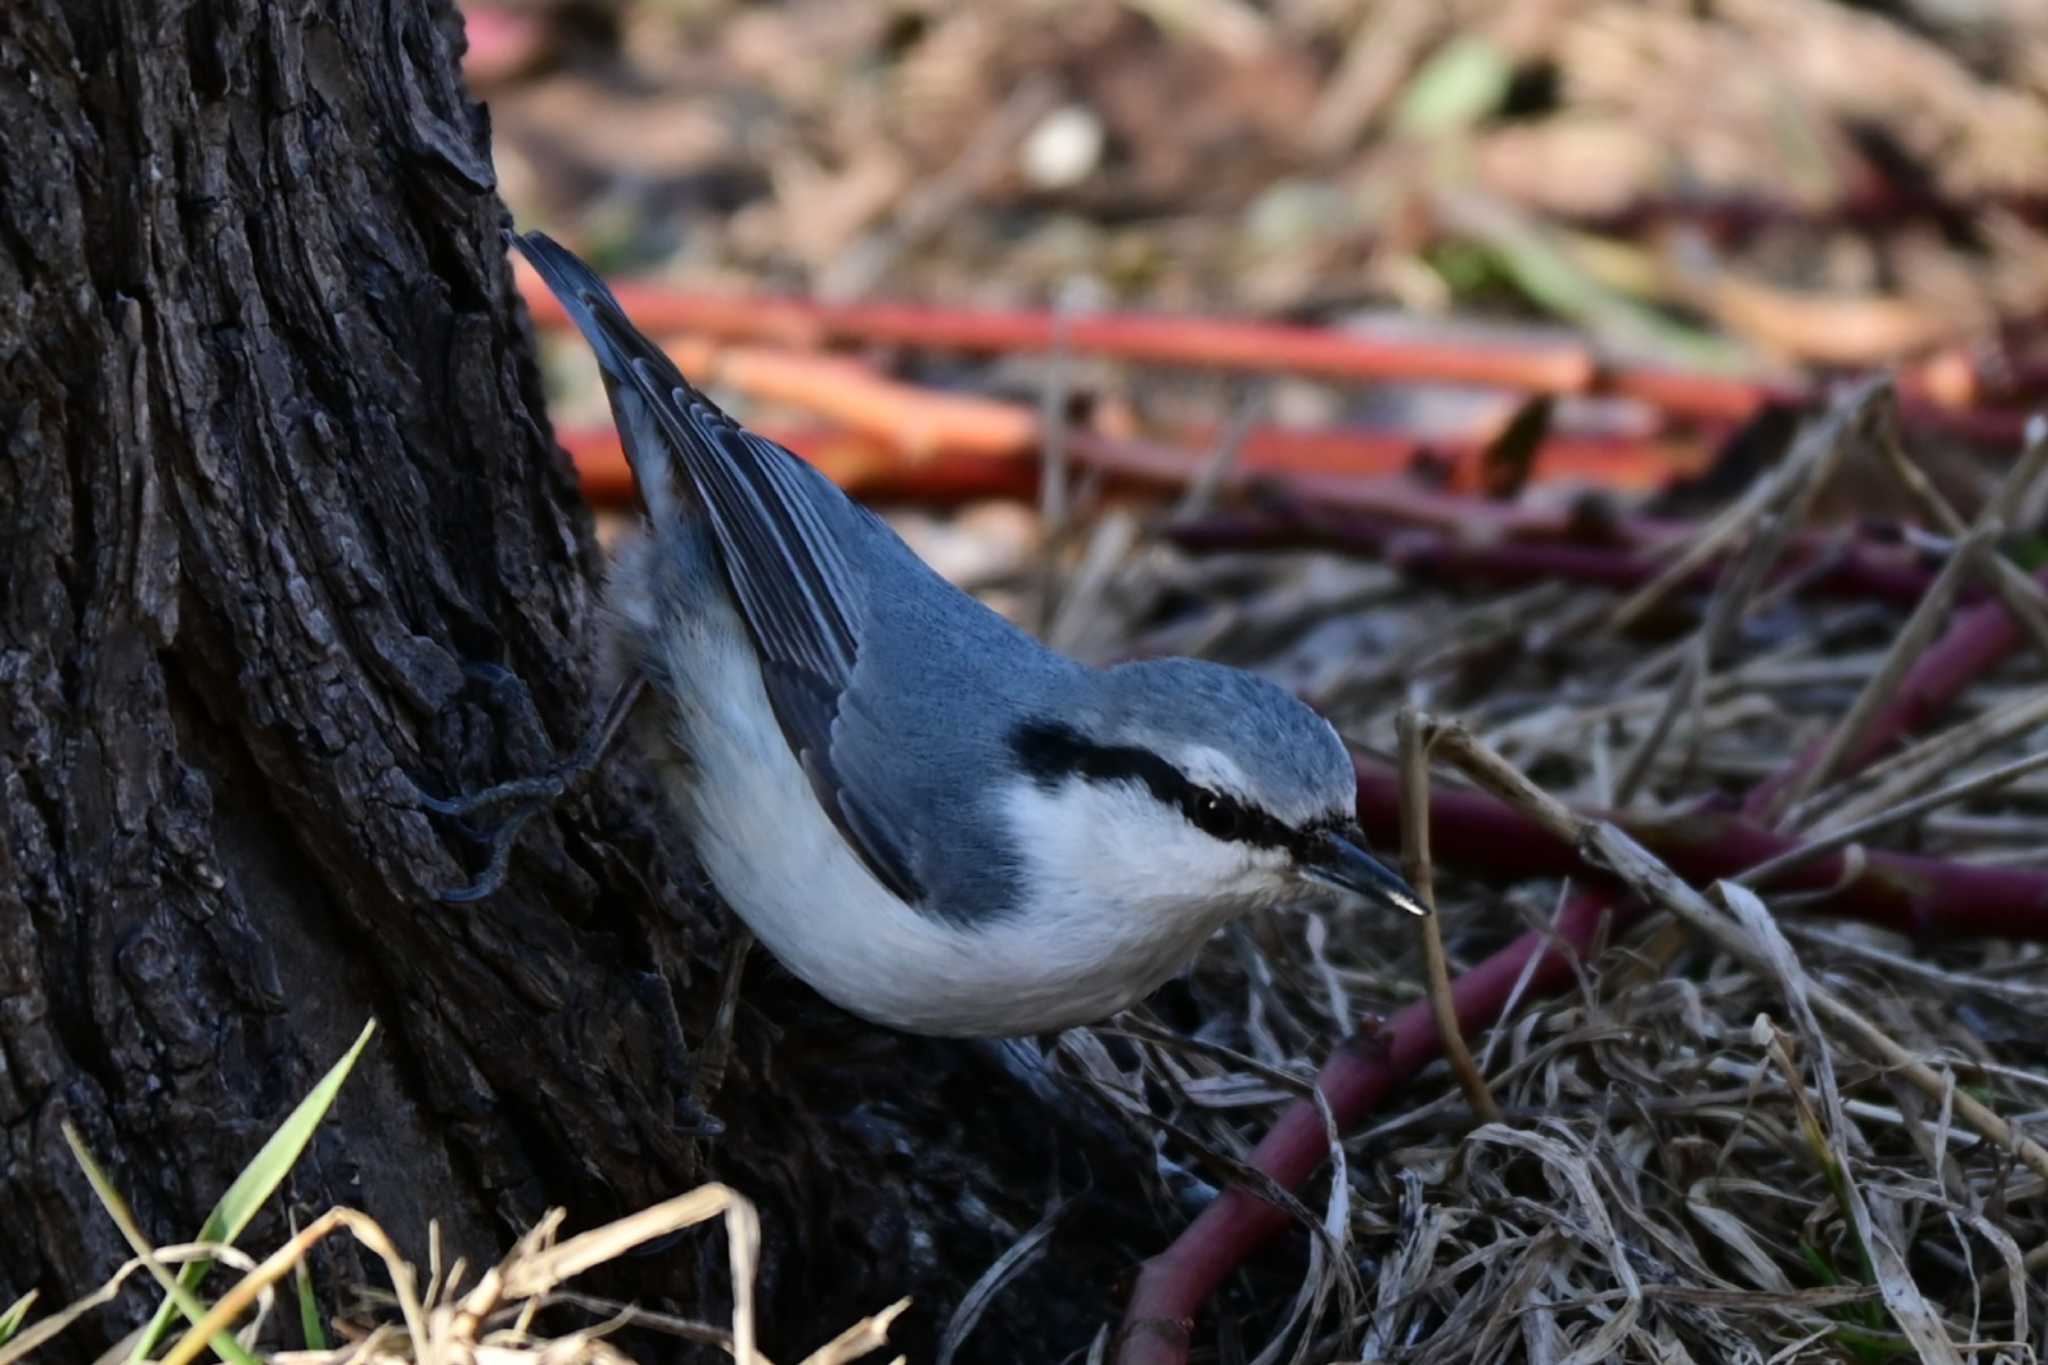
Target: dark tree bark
[(284, 534)]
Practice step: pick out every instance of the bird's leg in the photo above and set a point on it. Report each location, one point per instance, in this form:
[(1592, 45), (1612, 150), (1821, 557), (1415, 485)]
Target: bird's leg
[(537, 791), (716, 1053), (559, 779)]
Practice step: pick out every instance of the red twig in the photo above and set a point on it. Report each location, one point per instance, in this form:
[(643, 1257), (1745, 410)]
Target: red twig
[(1563, 366), (866, 466), (1859, 569), (1367, 460), (1557, 366), (1922, 897)]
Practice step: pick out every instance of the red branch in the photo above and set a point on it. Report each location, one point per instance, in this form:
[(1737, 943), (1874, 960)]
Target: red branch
[(1562, 366), (1925, 898), (1858, 569), (1364, 461)]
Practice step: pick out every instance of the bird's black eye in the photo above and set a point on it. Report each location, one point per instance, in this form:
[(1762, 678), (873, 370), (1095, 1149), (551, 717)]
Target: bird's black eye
[(1218, 815)]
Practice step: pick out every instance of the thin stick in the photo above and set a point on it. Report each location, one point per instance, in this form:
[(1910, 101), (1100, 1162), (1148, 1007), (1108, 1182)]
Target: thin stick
[(1910, 644), (1052, 478), (1216, 466), (2023, 597), (1415, 862), (1678, 698), (1926, 763), (1800, 477), (1849, 834)]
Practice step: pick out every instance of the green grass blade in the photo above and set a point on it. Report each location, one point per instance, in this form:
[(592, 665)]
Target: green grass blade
[(1462, 83), (311, 1330), (258, 1180), (16, 1314)]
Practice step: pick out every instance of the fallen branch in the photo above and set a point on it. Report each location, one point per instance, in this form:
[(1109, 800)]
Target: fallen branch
[(1926, 898), (1856, 569), (1565, 365)]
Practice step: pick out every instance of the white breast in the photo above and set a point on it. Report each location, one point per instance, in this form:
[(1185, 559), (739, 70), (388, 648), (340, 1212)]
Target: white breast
[(1104, 929)]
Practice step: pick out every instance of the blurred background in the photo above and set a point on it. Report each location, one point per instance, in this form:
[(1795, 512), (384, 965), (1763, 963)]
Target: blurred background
[(1689, 181), (1660, 219)]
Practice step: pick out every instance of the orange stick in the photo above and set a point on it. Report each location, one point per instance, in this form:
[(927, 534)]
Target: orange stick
[(863, 465), (1345, 467), (1547, 367), (1562, 366)]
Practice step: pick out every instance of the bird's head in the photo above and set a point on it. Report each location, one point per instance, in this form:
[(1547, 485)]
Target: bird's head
[(1186, 784)]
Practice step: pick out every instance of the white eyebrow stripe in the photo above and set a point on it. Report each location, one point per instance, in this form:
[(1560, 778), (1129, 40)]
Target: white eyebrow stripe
[(1212, 768)]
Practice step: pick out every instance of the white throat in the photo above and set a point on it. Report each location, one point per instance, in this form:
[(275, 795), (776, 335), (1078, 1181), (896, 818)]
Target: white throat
[(1123, 888)]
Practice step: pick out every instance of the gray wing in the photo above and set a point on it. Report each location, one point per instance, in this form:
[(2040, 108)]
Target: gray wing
[(793, 586)]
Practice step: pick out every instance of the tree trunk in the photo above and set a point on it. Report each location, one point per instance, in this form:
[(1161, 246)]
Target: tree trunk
[(286, 542)]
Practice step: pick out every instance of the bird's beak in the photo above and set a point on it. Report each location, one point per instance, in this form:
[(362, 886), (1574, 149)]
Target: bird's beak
[(1337, 861)]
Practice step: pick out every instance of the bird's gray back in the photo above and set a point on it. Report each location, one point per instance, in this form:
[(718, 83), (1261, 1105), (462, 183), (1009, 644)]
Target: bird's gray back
[(941, 684)]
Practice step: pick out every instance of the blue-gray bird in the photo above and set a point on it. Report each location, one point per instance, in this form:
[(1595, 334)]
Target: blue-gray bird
[(937, 822)]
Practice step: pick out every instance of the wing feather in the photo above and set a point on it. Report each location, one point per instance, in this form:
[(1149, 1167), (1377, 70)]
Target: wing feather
[(787, 571)]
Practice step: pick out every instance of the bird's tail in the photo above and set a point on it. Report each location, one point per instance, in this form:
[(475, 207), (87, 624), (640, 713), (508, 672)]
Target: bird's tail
[(613, 340)]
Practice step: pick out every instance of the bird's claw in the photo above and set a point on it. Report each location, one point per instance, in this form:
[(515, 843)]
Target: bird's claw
[(537, 791), (501, 840)]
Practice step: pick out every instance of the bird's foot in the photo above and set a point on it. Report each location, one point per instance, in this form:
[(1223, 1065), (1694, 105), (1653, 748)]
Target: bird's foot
[(538, 792)]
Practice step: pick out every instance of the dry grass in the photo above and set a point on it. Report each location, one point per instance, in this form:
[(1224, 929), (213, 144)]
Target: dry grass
[(454, 1322)]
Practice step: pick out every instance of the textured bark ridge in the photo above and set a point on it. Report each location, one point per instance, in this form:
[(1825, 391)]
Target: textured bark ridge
[(281, 533)]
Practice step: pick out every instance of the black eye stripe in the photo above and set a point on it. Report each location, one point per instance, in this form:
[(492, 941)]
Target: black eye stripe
[(1050, 753), (1224, 817)]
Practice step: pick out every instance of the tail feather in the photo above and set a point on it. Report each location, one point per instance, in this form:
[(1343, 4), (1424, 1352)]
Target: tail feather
[(597, 315)]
